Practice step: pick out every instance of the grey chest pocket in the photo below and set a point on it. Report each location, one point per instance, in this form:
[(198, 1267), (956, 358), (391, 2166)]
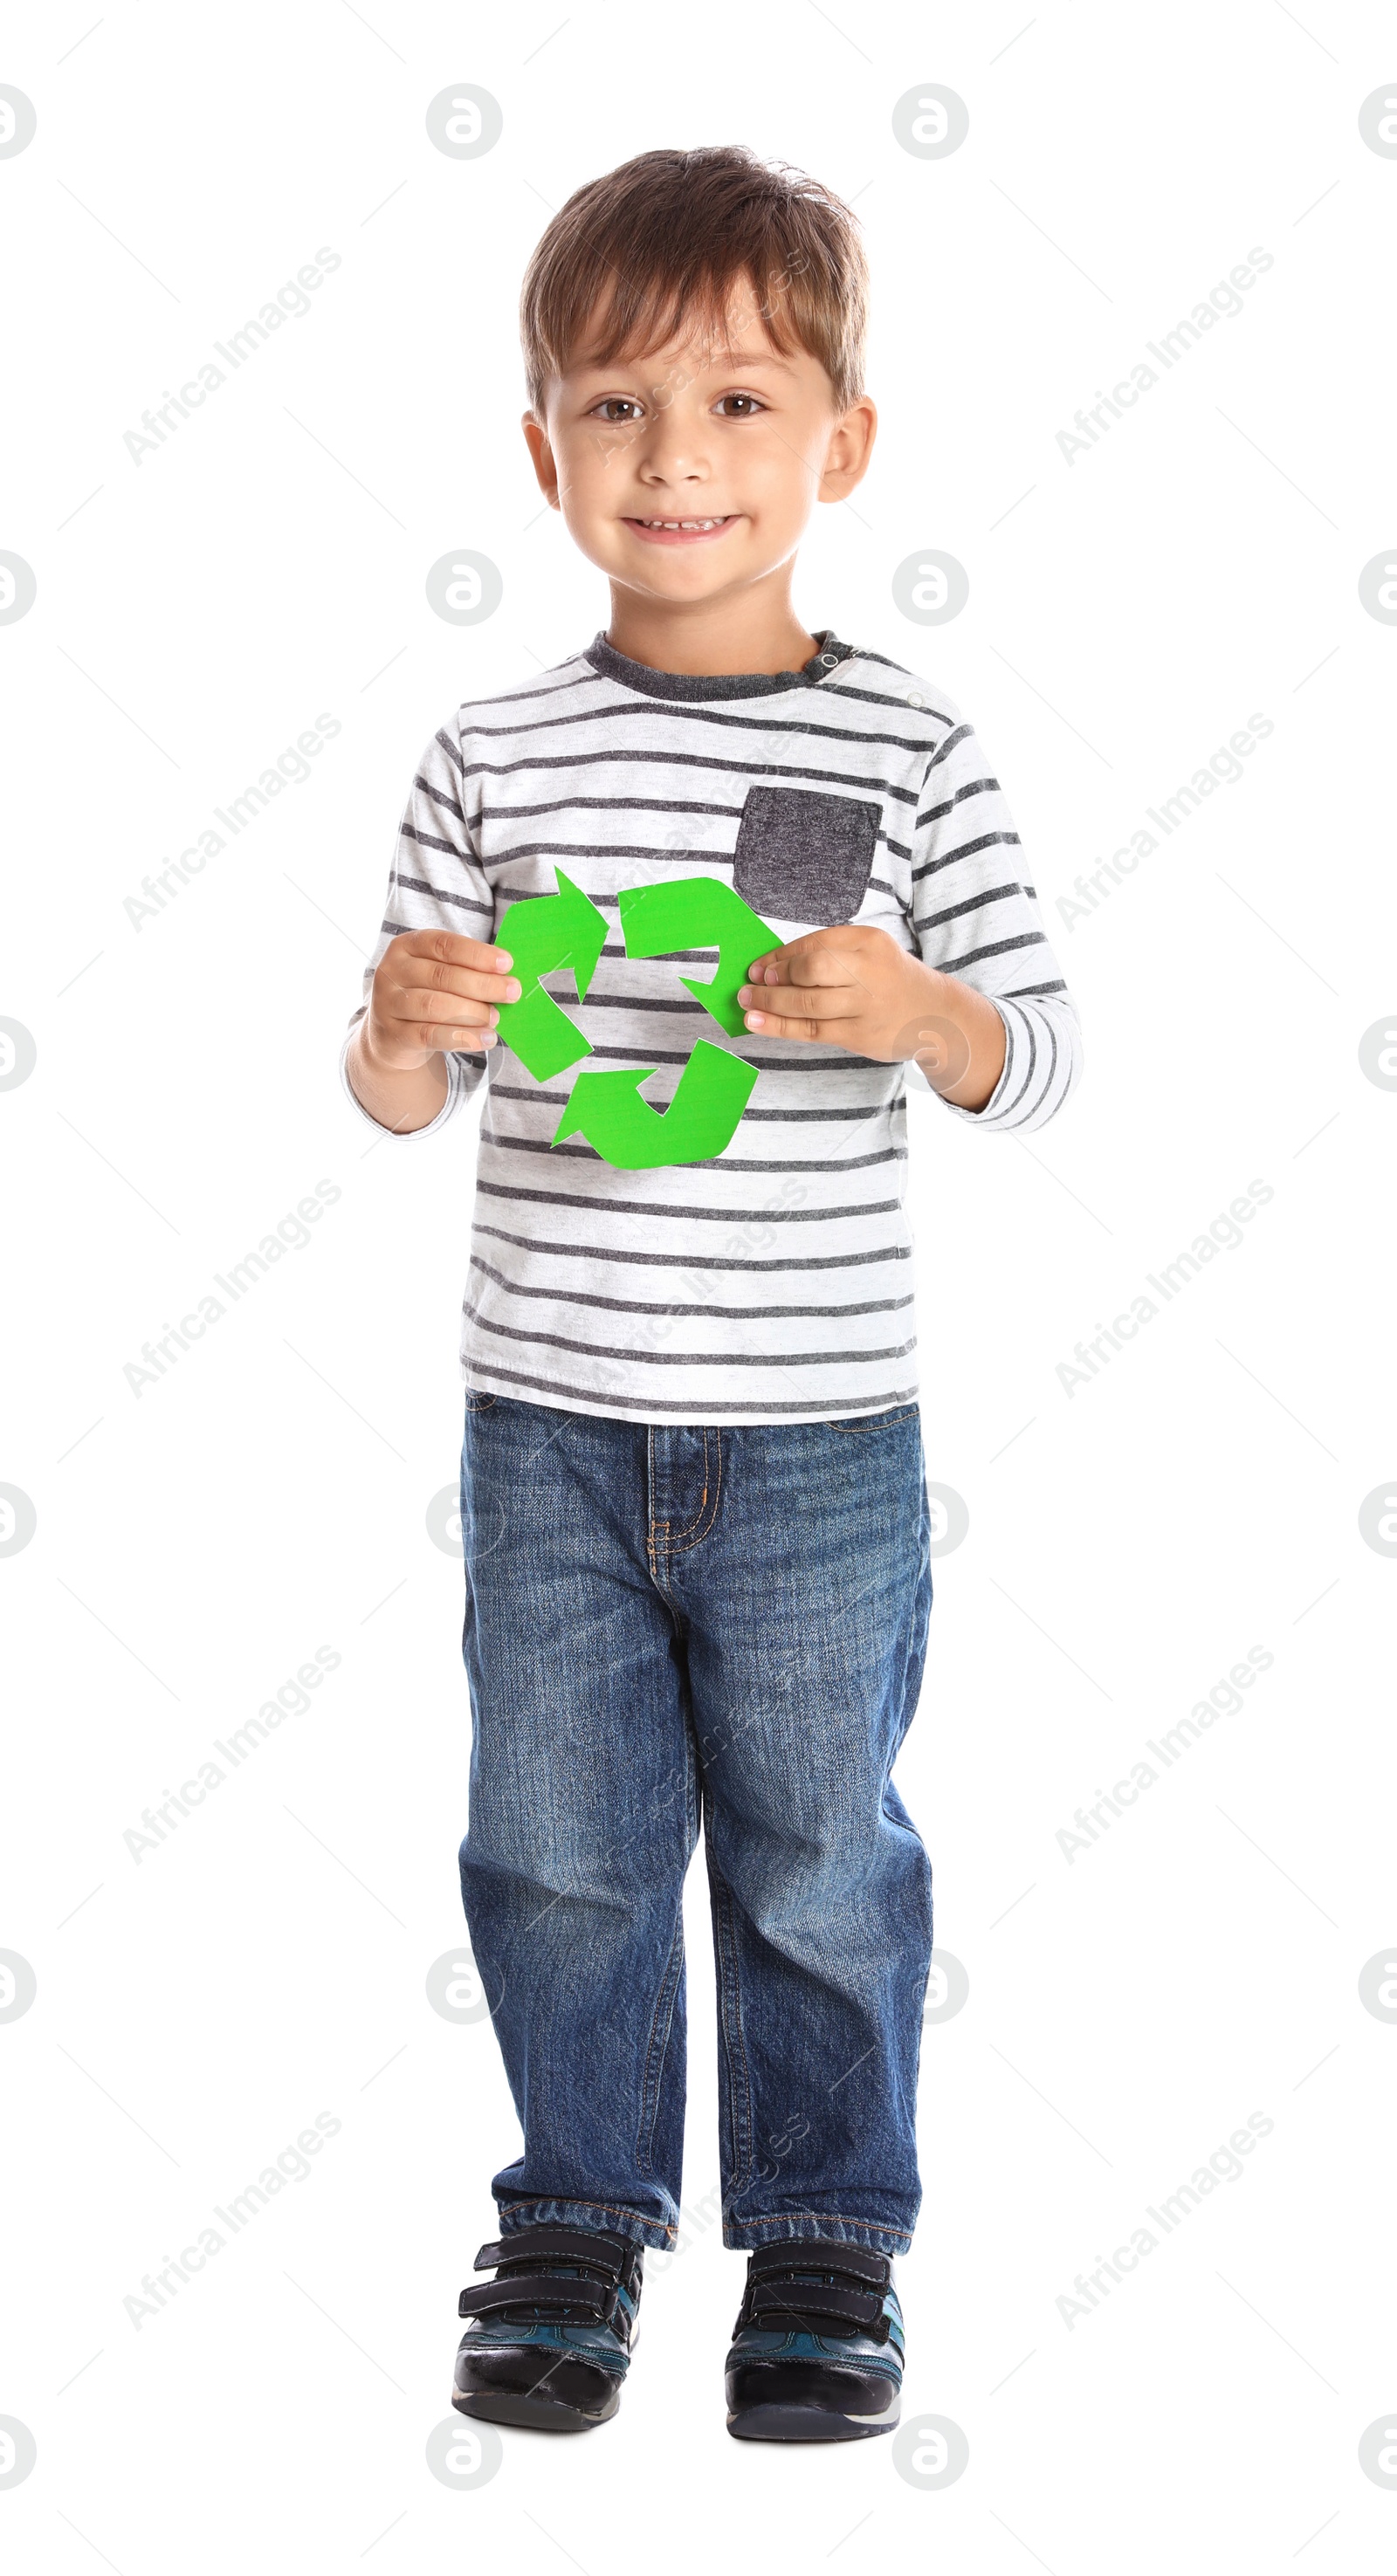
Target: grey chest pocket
[(804, 856)]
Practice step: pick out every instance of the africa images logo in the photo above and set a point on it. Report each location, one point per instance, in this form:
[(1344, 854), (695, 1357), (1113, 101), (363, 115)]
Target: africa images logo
[(550, 931)]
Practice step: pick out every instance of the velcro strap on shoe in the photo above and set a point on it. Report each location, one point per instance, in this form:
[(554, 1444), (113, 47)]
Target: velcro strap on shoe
[(536, 2290), (546, 2244), (800, 2300), (820, 2255)]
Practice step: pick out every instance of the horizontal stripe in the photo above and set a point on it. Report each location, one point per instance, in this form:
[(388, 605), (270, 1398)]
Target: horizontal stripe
[(429, 840), (608, 805), (443, 894), (731, 1162), (579, 675), (444, 795), (877, 697), (815, 1059), (577, 1197), (953, 741), (809, 1408), (664, 1306), (804, 1117), (972, 903), (620, 710), (972, 787), (678, 1260), (967, 850), (709, 861), (686, 760), (585, 850), (689, 1359), (697, 1261), (996, 948)]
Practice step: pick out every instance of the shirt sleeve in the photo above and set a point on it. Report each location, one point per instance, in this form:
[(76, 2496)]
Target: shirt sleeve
[(975, 917), (436, 882)]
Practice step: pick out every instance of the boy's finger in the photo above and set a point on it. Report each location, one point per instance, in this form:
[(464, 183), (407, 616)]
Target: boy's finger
[(449, 1036), (452, 948), (819, 1015), (816, 959), (452, 1041), (786, 961), (474, 984), (414, 1003), (808, 1001), (771, 1024), (811, 949)]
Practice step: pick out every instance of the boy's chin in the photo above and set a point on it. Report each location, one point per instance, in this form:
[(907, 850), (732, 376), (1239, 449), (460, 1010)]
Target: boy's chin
[(681, 583), (675, 574)]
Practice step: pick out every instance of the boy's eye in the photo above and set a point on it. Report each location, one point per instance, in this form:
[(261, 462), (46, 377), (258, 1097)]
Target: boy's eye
[(738, 406), (617, 407)]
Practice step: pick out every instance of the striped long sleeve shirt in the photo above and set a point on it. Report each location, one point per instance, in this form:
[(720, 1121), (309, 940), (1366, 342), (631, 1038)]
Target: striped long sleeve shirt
[(773, 1282)]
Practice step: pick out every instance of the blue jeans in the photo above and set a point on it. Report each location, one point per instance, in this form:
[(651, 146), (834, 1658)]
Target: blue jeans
[(661, 1621)]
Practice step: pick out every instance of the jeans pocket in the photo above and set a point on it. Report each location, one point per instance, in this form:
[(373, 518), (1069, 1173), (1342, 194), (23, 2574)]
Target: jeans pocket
[(476, 1402)]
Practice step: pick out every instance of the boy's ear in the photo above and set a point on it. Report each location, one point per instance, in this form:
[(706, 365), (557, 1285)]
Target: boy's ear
[(545, 467), (850, 447)]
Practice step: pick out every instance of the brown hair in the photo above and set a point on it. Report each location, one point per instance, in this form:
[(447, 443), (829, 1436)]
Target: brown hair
[(664, 240)]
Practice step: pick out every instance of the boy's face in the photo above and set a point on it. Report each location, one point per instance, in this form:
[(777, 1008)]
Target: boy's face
[(687, 475)]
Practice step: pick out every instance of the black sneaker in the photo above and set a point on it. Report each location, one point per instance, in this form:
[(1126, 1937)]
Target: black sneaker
[(817, 2348), (554, 2332)]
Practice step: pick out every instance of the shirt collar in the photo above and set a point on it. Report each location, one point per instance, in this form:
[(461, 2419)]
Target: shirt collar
[(691, 685)]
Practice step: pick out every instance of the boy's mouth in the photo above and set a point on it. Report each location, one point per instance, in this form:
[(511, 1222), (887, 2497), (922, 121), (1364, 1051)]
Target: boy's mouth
[(682, 532)]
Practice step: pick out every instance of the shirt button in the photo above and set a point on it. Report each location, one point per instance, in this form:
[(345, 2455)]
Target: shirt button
[(829, 660), (916, 702)]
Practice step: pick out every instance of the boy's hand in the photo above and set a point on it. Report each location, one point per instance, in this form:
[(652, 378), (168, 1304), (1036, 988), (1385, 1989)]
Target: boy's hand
[(854, 987), (433, 991)]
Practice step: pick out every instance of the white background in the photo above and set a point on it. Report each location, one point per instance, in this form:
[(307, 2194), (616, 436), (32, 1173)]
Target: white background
[(1128, 1543)]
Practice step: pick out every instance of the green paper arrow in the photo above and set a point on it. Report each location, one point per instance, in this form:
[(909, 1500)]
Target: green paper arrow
[(699, 912), (544, 932), (710, 1096)]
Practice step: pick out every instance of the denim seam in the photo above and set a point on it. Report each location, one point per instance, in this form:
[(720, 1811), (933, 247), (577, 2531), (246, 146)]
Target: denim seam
[(686, 1526), (913, 1673), (820, 2218), (730, 1997), (652, 1525), (692, 1792), (661, 2024), (659, 1543), (678, 1547), (610, 2208)]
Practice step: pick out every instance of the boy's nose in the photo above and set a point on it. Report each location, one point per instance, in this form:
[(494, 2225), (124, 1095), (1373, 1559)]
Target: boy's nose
[(676, 491), (669, 467), (672, 453)]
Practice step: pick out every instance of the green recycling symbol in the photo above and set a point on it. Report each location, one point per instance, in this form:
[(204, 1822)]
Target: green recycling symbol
[(549, 931)]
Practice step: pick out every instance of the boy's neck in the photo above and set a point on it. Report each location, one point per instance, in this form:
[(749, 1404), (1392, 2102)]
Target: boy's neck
[(758, 631)]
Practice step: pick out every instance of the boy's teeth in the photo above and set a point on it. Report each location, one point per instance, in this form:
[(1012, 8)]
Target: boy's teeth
[(681, 523)]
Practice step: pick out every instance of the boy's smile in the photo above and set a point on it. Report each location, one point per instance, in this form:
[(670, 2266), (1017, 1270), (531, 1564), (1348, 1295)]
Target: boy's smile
[(680, 532)]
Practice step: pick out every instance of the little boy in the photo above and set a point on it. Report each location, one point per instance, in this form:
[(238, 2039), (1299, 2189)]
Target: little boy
[(693, 1497)]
